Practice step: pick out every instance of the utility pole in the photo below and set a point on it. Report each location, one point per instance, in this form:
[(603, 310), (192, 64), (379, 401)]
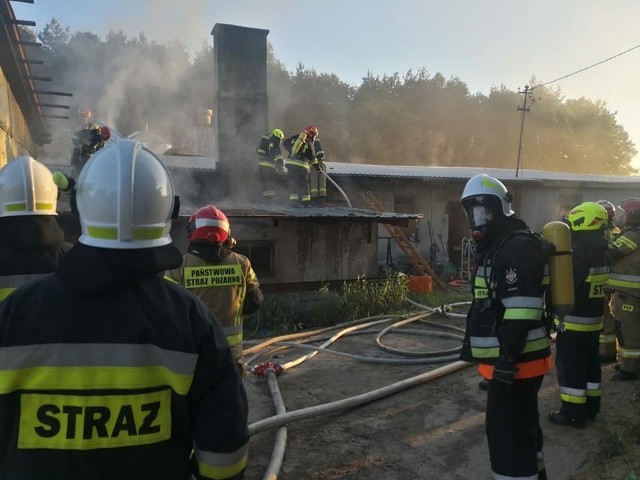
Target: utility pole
[(524, 109)]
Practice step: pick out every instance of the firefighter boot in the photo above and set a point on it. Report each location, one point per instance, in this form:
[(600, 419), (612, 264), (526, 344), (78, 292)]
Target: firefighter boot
[(561, 418), (624, 376)]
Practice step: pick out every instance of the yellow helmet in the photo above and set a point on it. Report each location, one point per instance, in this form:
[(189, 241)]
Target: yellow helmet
[(278, 133), (587, 216)]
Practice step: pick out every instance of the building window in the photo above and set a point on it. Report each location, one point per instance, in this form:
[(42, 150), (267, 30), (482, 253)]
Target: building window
[(261, 255), (407, 204)]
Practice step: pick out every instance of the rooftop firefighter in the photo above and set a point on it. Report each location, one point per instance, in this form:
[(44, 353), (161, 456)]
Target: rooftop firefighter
[(127, 376), (271, 163), (86, 142), (302, 154)]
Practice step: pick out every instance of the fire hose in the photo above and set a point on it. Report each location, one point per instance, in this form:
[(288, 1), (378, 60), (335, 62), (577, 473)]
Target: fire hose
[(344, 195)]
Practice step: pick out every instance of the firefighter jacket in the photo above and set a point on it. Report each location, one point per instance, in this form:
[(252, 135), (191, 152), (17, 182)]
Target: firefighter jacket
[(625, 267), (506, 315), (303, 152), (88, 141), (226, 283), (30, 245), (110, 372), (591, 268), (269, 153)]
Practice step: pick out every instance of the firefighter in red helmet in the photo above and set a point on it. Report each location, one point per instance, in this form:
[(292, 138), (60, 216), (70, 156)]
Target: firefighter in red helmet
[(304, 151), (608, 343), (624, 282), (224, 280)]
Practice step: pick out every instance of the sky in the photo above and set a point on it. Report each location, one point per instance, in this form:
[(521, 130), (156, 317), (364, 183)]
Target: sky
[(484, 43)]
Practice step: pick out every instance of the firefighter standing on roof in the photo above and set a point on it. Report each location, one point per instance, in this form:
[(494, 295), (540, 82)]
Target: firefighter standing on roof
[(223, 279), (318, 177), (270, 163), (577, 362), (31, 241), (109, 371), (302, 154), (506, 332), (624, 282), (608, 348)]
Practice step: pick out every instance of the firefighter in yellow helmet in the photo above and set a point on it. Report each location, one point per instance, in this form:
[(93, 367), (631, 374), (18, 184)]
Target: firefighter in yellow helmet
[(271, 163), (608, 342), (624, 282), (577, 362), (31, 241), (222, 278), (108, 370)]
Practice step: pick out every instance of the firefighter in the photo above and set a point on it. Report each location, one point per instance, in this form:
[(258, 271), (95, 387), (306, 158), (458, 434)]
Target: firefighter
[(86, 142), (624, 282), (302, 155), (222, 278), (577, 362), (318, 177), (506, 332), (271, 163), (109, 371), (31, 241), (608, 349)]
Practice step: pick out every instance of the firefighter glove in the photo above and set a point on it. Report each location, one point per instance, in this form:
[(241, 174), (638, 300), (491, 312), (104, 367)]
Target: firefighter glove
[(504, 370), (317, 166), (63, 182)]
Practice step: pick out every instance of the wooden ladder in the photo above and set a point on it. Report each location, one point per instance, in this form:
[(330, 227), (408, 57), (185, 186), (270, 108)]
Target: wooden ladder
[(418, 262)]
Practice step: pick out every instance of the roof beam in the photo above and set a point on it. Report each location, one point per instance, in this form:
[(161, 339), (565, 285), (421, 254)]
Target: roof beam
[(29, 44), (26, 23), (38, 78), (48, 115), (53, 105), (22, 1), (49, 92), (31, 62)]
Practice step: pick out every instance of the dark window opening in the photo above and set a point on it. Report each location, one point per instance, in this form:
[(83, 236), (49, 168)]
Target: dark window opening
[(261, 256)]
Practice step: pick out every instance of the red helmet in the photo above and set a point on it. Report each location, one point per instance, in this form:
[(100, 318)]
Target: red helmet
[(208, 223), (631, 209), (105, 133), (609, 207), (311, 131)]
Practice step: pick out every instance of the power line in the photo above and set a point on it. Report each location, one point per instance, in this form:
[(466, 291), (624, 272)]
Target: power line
[(587, 68)]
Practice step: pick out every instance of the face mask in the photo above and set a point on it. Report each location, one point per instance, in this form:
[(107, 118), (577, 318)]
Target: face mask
[(479, 216)]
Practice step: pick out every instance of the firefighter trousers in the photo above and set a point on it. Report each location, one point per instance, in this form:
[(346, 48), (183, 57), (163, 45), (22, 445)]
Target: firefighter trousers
[(298, 182), (579, 374), (513, 429), (626, 311), (269, 179), (318, 182)]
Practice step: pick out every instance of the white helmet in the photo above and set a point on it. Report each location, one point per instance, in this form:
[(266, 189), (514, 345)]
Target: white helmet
[(27, 188), (483, 192), (125, 198)]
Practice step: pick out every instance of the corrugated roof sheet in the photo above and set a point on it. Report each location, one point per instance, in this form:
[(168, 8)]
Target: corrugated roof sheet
[(431, 172)]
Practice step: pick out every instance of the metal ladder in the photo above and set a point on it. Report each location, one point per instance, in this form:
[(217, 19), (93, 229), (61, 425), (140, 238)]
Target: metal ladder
[(418, 262)]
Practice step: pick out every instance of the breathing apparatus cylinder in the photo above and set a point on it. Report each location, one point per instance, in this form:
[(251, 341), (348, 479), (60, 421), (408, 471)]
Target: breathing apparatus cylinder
[(560, 266)]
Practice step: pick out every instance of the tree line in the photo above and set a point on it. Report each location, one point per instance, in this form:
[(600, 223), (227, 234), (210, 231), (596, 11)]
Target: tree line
[(415, 118)]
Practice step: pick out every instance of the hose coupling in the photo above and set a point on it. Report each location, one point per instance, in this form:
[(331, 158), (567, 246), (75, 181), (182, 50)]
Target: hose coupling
[(262, 370)]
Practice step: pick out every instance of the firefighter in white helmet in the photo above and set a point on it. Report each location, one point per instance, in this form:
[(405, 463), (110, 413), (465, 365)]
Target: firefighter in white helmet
[(223, 279), (109, 371), (31, 241), (506, 334)]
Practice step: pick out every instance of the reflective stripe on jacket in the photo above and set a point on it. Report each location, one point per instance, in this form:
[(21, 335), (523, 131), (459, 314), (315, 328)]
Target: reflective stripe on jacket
[(117, 384), (506, 314)]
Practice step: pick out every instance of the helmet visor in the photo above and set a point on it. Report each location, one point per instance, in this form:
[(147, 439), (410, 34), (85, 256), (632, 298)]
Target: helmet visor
[(479, 215)]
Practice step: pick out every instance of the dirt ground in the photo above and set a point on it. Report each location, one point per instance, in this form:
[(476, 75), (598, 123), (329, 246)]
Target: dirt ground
[(431, 431)]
